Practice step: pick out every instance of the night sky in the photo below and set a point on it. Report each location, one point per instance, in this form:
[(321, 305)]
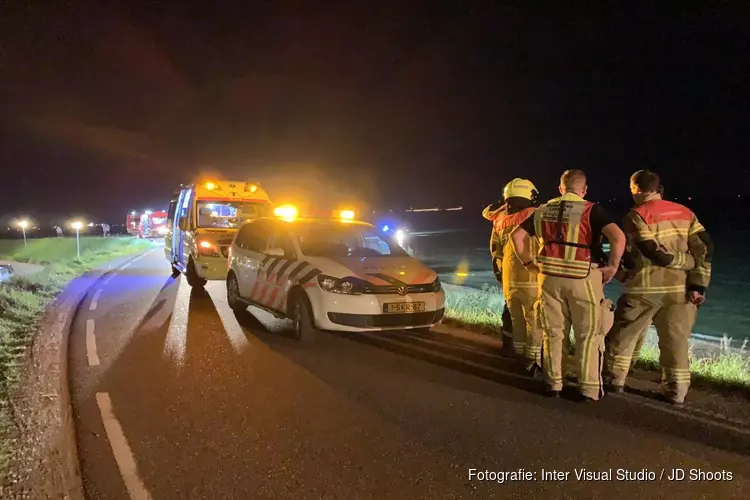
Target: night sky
[(105, 109)]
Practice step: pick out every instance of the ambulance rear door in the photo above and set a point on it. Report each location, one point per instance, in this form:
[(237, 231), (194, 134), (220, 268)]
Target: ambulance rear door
[(182, 212)]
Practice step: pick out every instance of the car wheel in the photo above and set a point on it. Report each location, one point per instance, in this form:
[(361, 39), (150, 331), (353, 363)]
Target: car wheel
[(304, 324), (233, 294), (193, 279)]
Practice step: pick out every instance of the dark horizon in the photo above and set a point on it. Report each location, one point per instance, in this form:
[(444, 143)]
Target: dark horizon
[(109, 109)]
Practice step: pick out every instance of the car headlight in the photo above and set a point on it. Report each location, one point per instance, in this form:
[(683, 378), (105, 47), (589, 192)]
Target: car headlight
[(436, 286), (335, 285)]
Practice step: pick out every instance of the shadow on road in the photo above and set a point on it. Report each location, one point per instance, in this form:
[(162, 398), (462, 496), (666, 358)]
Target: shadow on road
[(485, 362)]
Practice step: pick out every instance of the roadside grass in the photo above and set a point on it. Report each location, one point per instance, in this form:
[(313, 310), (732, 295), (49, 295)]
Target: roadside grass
[(24, 298), (481, 311)]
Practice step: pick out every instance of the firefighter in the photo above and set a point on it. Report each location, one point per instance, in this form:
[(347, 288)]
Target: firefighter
[(519, 284), (572, 271), (491, 212), (672, 253)]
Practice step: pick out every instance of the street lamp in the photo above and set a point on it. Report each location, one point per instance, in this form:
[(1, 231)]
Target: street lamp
[(77, 225), (23, 225)]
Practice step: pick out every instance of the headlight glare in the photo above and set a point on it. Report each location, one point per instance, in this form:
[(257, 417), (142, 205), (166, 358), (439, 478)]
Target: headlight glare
[(335, 285)]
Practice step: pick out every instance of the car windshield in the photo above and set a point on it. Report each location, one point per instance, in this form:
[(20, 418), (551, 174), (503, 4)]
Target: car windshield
[(229, 214), (343, 240)]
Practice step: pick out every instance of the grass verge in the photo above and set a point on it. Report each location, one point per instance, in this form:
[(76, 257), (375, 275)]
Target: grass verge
[(24, 298), (481, 311)]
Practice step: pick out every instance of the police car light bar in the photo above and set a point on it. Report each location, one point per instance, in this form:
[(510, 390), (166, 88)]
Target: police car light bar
[(286, 212)]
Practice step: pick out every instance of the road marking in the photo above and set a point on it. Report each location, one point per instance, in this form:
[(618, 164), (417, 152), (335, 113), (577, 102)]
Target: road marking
[(95, 300), (684, 413), (125, 266), (121, 450), (91, 344)]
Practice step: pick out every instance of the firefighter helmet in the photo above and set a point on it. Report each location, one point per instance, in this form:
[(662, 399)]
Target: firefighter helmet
[(520, 188)]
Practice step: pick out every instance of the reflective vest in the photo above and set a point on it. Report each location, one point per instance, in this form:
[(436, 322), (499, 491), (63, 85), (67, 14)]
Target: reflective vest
[(492, 215), (668, 224), (515, 275), (563, 227)]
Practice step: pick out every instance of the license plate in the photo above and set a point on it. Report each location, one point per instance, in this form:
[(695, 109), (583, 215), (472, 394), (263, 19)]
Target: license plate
[(403, 307)]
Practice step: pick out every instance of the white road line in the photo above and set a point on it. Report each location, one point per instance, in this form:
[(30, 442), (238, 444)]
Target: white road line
[(91, 353), (125, 266), (121, 450), (95, 300), (108, 279)]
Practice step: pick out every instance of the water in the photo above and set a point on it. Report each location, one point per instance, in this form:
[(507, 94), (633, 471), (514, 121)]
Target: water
[(724, 313)]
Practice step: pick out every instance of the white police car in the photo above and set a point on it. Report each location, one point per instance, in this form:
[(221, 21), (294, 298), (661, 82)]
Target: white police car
[(330, 274)]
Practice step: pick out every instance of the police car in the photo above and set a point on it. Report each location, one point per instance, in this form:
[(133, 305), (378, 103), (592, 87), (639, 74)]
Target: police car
[(330, 274)]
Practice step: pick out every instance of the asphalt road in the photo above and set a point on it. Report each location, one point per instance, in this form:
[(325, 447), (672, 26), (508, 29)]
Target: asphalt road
[(177, 398)]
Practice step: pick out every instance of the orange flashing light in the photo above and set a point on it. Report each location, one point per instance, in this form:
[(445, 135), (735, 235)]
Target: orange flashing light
[(347, 214), (210, 186), (286, 212)]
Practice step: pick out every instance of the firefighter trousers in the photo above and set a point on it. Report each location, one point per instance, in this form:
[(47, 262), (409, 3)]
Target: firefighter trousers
[(577, 303), (527, 337), (674, 322)]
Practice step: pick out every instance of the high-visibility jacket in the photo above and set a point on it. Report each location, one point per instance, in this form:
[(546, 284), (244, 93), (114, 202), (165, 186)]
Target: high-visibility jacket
[(563, 227), (515, 275), (668, 251), (491, 214)]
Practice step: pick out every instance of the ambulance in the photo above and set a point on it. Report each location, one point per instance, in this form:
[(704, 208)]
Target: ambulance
[(202, 221)]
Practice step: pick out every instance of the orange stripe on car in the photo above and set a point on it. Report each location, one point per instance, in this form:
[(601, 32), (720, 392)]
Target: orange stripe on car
[(254, 291), (263, 293)]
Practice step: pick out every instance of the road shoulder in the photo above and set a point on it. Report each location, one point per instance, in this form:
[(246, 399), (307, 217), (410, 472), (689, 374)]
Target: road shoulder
[(44, 461)]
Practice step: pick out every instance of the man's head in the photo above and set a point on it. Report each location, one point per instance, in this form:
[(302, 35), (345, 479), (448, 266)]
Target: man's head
[(573, 181), (645, 184)]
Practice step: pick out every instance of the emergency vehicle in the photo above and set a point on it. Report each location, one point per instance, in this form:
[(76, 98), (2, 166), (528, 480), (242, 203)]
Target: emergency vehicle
[(202, 220), (330, 273), (133, 223), (147, 224)]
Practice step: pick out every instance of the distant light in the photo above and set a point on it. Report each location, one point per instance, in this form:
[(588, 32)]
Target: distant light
[(23, 224), (690, 197), (132, 213), (210, 205), (386, 228), (77, 225)]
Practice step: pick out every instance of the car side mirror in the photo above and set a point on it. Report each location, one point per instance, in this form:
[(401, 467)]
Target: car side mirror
[(275, 252), (183, 224)]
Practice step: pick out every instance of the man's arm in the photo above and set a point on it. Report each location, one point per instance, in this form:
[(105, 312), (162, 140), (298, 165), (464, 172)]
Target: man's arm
[(616, 239), (644, 239), (702, 249), (601, 219), (520, 236)]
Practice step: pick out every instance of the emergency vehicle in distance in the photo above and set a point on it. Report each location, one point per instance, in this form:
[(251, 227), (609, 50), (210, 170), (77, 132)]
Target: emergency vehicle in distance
[(202, 221), (147, 224), (330, 274)]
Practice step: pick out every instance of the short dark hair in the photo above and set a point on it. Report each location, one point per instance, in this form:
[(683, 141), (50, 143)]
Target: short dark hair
[(647, 181), (573, 179)]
